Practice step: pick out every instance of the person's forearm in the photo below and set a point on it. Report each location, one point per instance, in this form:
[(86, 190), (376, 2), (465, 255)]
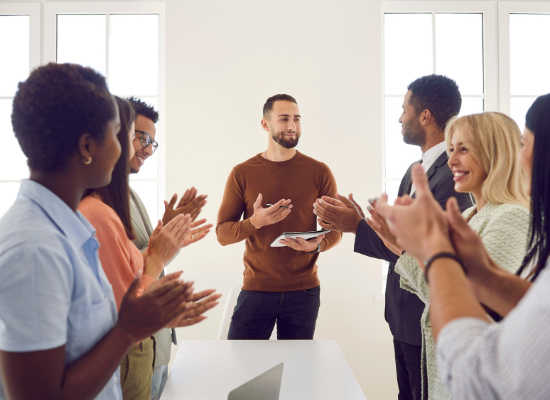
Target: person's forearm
[(331, 239), (451, 296), (500, 290), (86, 377), (233, 232)]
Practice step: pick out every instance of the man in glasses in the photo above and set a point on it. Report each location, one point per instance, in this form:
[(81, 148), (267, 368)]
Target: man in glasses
[(145, 146)]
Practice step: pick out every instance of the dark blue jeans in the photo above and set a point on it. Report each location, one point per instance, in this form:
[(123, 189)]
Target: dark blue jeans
[(256, 313)]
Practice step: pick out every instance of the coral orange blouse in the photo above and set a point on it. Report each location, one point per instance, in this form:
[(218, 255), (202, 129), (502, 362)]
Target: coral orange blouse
[(120, 258)]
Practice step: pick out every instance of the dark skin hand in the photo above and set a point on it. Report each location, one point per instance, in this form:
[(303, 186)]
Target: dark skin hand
[(338, 214), (139, 318), (188, 204)]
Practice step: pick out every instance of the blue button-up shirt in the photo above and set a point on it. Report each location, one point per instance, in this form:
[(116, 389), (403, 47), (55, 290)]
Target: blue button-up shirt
[(53, 291)]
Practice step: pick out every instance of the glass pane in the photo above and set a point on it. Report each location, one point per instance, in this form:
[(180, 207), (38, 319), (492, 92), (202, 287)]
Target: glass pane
[(9, 192), (399, 156), (518, 109), (147, 191), (405, 62), (13, 163), (81, 39), (14, 47), (529, 61), (130, 73), (471, 105), (459, 50)]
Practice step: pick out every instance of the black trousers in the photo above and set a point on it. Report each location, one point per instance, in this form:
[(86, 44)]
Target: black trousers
[(408, 368), (256, 313)]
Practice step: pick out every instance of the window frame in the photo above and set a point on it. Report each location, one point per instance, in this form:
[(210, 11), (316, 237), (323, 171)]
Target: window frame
[(505, 8), (52, 10), (490, 57), (34, 11)]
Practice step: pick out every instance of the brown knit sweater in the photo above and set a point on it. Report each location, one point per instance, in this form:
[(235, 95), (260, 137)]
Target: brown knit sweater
[(301, 179)]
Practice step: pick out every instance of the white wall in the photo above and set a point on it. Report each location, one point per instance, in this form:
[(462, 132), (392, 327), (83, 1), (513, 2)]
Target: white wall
[(223, 59)]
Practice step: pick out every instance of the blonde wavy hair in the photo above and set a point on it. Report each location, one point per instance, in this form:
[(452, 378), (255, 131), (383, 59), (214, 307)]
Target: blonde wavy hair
[(494, 140)]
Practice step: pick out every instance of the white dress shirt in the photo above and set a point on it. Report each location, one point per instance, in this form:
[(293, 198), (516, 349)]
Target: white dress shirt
[(429, 157), (505, 361)]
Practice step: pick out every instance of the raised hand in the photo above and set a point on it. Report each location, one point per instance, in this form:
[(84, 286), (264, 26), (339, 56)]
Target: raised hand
[(357, 206), (198, 304), (300, 244), (197, 232), (378, 224), (467, 244), (420, 227), (270, 215), (338, 214), (164, 301), (188, 204), (164, 244)]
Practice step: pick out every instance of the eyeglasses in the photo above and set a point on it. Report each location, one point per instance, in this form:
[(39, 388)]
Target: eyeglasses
[(146, 140)]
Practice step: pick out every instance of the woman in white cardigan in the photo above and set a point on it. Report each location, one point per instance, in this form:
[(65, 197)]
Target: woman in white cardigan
[(482, 155)]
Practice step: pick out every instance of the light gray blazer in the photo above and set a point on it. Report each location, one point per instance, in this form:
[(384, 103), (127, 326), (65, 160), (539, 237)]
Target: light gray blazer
[(164, 337)]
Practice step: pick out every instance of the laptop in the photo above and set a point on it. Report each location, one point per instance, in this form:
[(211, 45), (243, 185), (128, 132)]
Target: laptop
[(265, 386)]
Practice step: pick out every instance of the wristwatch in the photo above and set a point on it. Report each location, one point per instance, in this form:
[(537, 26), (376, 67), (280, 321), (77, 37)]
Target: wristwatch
[(316, 251)]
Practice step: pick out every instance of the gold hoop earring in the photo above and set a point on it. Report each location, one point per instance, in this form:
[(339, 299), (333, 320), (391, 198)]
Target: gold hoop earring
[(88, 161)]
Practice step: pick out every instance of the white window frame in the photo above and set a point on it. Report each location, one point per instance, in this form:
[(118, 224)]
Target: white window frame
[(490, 55), (505, 8), (33, 10), (52, 10)]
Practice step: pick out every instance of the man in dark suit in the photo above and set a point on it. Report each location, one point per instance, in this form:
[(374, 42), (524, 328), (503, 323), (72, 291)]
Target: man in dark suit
[(428, 105)]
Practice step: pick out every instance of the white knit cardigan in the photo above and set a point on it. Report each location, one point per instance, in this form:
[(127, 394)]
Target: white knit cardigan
[(503, 229)]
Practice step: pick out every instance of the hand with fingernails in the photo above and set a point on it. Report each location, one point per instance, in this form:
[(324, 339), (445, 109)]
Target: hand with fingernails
[(189, 203), (380, 227), (338, 214), (300, 244), (164, 243), (197, 232), (270, 215)]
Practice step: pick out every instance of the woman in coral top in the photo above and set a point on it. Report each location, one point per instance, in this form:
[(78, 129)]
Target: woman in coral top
[(108, 210)]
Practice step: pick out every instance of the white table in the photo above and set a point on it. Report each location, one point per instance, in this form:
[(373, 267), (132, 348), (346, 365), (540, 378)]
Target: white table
[(210, 369)]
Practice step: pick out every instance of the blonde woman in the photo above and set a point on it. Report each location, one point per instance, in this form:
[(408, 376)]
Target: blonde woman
[(482, 155)]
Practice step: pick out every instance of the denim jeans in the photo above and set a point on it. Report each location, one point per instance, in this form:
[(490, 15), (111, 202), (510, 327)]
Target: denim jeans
[(256, 313), (160, 376)]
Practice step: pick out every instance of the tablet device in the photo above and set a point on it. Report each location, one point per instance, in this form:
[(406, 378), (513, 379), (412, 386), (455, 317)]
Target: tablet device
[(294, 235)]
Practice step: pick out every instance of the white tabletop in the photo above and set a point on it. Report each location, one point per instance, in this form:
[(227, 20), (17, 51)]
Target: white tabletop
[(210, 369)]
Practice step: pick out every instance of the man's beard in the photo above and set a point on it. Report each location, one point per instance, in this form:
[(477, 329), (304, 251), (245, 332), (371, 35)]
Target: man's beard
[(287, 144), (413, 134)]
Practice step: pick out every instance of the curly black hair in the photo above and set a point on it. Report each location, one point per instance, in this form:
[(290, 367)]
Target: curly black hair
[(268, 106), (144, 109), (54, 107), (437, 93)]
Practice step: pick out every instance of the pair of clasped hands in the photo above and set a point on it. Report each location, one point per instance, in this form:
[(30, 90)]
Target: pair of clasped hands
[(418, 226), (169, 301), (276, 213)]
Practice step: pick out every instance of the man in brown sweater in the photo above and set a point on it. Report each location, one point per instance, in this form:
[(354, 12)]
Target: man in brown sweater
[(280, 283)]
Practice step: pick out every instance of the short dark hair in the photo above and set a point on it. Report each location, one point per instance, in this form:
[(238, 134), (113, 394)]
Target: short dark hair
[(437, 93), (144, 109), (117, 193), (55, 106), (268, 106), (537, 121)]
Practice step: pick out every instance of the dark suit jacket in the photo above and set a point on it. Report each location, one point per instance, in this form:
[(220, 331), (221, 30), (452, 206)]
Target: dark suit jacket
[(404, 309)]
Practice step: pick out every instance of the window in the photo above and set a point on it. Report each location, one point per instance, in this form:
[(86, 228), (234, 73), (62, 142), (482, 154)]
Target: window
[(20, 45), (123, 41), (466, 57), (524, 63)]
